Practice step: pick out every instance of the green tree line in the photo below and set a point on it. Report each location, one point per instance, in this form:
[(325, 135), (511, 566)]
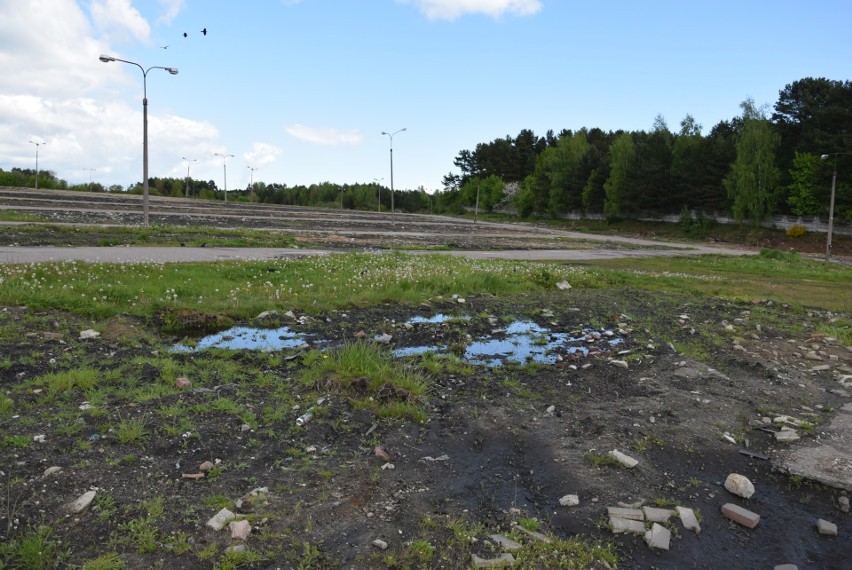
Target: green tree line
[(752, 166)]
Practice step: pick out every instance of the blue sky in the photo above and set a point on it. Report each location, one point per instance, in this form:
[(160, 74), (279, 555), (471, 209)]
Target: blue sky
[(301, 90)]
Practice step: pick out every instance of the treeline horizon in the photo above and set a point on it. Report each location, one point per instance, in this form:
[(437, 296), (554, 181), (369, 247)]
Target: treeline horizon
[(750, 167)]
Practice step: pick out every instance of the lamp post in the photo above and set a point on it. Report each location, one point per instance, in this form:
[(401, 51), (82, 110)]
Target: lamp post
[(91, 182), (390, 136), (225, 158), (378, 181), (188, 162), (251, 176), (38, 144), (831, 202), (173, 71)]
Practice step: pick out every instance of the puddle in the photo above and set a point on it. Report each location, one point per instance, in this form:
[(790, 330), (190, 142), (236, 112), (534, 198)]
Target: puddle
[(520, 342), (248, 338)]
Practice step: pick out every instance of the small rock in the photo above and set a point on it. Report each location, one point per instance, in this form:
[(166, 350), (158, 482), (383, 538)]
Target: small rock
[(505, 543), (625, 513), (240, 529), (657, 515), (183, 383), (620, 364), (826, 528), (360, 334), (505, 559), (843, 503), (786, 435), (688, 519), (620, 525), (380, 452), (739, 485), (57, 469), (384, 339), (569, 501), (786, 567), (563, 286), (625, 460), (658, 537), (206, 466), (89, 333), (80, 504), (380, 544), (550, 409), (193, 475), (219, 519), (388, 466)]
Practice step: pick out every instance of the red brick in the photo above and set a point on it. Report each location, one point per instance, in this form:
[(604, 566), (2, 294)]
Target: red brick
[(740, 515)]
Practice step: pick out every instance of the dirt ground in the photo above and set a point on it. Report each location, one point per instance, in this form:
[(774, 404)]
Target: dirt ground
[(500, 445)]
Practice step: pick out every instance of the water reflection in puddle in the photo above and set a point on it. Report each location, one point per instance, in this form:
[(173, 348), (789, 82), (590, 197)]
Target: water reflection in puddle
[(520, 342), (248, 338)]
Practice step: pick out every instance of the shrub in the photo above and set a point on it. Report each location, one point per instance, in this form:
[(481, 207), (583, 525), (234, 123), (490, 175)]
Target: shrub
[(796, 231)]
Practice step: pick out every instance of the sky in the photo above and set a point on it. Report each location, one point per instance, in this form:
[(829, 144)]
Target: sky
[(300, 91)]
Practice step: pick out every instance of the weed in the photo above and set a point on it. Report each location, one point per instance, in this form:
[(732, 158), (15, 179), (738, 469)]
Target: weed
[(16, 441), (130, 431), (35, 549), (602, 460), (108, 561), (140, 534)]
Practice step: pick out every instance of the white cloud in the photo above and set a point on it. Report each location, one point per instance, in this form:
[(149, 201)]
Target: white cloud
[(453, 9), (261, 154), (325, 136), (119, 21), (171, 8)]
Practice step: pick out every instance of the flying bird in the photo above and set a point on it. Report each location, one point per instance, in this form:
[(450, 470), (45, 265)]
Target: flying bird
[(204, 31), (184, 34), (164, 47)]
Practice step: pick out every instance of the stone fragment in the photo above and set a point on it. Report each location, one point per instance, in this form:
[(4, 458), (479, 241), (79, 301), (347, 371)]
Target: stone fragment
[(569, 501), (89, 333), (534, 534), (786, 567), (240, 529), (620, 363), (786, 435), (206, 466), (505, 543), (826, 528), (624, 513), (80, 504), (360, 334), (380, 452), (219, 519), (384, 339), (380, 544), (502, 561), (183, 383), (57, 469), (658, 537), (563, 286), (620, 525), (688, 519), (739, 485), (740, 515), (255, 497), (656, 515), (193, 475), (625, 460), (843, 503)]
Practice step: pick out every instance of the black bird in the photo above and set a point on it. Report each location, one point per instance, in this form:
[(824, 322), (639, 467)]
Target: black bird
[(184, 34), (204, 31), (164, 47)]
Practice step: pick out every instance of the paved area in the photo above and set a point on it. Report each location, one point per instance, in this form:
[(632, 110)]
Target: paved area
[(206, 254), (828, 460)]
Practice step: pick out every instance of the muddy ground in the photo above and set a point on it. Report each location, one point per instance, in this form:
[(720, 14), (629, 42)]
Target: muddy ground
[(500, 445)]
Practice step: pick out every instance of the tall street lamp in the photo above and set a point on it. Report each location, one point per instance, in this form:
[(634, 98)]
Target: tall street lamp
[(188, 162), (251, 176), (390, 136), (173, 71), (831, 203), (225, 158), (38, 144), (378, 182)]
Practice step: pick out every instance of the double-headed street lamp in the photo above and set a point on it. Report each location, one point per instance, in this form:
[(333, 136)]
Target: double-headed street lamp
[(38, 144), (251, 177), (173, 71), (390, 136), (831, 203), (188, 162), (225, 158)]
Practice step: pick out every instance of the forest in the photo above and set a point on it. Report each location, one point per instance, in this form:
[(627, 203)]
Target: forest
[(766, 161)]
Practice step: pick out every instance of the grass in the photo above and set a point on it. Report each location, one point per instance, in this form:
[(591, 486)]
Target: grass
[(34, 549)]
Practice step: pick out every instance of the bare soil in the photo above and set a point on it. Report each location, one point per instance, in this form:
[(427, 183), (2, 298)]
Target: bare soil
[(500, 445)]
